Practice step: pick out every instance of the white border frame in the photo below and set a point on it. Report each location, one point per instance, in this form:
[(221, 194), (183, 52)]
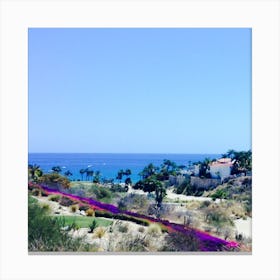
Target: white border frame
[(261, 15)]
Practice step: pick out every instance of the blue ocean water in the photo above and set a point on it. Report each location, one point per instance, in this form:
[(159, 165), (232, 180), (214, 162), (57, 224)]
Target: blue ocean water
[(108, 164)]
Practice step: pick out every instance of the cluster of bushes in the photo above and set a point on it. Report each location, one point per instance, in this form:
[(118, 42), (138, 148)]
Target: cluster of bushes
[(38, 192), (238, 189), (130, 243), (54, 180), (101, 193), (154, 230), (133, 201), (44, 232), (219, 193), (177, 241), (55, 198), (123, 217), (118, 188), (65, 201), (187, 189), (83, 207), (217, 218)]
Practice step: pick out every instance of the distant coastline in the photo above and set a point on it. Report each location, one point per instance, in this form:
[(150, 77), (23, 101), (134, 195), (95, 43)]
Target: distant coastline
[(109, 163)]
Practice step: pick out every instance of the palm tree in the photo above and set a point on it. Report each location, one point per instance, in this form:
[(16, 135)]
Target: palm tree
[(89, 174), (148, 171), (56, 169), (96, 177), (82, 172), (243, 161), (68, 173), (128, 181), (204, 168), (120, 175), (169, 165), (34, 171), (127, 172), (231, 153), (160, 193)]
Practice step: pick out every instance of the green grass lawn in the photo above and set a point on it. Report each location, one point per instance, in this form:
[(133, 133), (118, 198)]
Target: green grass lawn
[(85, 222)]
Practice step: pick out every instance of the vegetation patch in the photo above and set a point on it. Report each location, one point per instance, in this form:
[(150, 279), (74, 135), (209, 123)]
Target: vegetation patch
[(55, 198), (176, 241), (122, 217), (65, 201), (84, 222), (90, 212), (44, 232)]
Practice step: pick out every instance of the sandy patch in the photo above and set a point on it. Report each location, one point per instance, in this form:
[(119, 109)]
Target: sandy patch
[(244, 227), (55, 208)]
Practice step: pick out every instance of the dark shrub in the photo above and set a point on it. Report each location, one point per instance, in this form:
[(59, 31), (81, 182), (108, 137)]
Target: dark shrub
[(36, 192), (83, 207), (183, 188), (132, 243), (101, 193), (141, 229), (205, 204), (92, 226), (217, 218), (123, 228), (118, 188), (220, 193), (54, 198), (104, 214), (177, 241), (134, 202), (123, 217), (65, 201)]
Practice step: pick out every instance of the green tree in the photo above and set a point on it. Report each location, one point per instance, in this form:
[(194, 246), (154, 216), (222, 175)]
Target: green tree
[(204, 168), (54, 180), (96, 177), (34, 172), (127, 172), (151, 184), (89, 174), (56, 169), (242, 161), (148, 171), (120, 175), (169, 166), (160, 192), (68, 173), (127, 180), (82, 172)]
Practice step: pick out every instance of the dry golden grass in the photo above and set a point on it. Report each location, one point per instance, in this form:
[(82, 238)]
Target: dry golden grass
[(74, 208), (193, 204), (154, 230), (90, 212), (99, 232)]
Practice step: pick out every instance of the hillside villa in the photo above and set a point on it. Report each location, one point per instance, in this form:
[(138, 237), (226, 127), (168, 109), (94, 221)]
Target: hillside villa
[(219, 169)]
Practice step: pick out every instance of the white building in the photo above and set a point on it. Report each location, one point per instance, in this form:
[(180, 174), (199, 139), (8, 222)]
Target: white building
[(219, 169)]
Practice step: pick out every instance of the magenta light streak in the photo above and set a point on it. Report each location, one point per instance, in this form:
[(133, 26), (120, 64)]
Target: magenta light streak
[(207, 241)]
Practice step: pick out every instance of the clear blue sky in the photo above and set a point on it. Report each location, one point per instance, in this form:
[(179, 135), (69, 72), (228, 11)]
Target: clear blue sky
[(139, 90)]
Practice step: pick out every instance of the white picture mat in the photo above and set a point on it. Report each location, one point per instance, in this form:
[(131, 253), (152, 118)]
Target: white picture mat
[(262, 16)]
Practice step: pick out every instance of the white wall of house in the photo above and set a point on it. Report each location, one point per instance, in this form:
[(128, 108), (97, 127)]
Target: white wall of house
[(196, 170), (217, 170)]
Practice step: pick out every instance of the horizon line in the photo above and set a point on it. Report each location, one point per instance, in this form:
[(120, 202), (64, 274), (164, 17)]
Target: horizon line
[(166, 153)]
